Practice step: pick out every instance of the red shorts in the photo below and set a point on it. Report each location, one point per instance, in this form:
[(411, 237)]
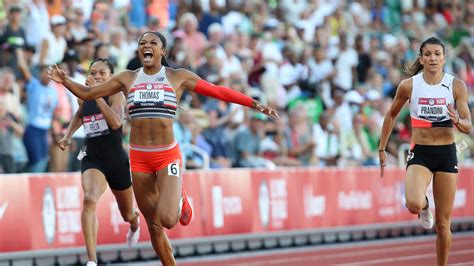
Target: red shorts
[(151, 159)]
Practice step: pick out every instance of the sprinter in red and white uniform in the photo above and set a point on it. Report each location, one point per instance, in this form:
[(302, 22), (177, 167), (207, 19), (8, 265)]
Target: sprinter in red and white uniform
[(437, 102), (153, 94)]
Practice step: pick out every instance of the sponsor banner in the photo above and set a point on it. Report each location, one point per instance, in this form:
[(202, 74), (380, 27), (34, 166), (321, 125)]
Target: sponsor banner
[(464, 200), (112, 228), (44, 211), (277, 200), (15, 217), (227, 201), (191, 183), (390, 196), (55, 211)]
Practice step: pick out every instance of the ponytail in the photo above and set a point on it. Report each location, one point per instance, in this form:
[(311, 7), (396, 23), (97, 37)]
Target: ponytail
[(414, 67), (164, 62)]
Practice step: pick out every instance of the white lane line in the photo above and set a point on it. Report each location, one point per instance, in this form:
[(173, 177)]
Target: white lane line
[(407, 258), (381, 250)]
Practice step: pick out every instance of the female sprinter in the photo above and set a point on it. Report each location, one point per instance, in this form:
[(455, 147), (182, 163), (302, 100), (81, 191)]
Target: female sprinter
[(437, 101), (153, 94), (105, 160)]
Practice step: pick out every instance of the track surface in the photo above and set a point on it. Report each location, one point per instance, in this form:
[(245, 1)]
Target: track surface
[(404, 251)]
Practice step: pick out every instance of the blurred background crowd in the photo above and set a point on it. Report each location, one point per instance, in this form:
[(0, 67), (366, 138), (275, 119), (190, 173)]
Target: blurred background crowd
[(330, 67)]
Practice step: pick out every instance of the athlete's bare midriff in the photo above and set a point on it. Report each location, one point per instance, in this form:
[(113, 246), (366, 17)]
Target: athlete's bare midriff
[(433, 136), (151, 132)]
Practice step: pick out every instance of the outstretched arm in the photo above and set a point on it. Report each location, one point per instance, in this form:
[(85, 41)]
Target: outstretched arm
[(195, 83), (111, 86)]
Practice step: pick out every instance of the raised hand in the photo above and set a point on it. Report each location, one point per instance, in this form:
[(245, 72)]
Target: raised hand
[(64, 142), (266, 110), (56, 74)]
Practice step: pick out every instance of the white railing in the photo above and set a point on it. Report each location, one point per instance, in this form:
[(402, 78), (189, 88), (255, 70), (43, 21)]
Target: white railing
[(205, 157)]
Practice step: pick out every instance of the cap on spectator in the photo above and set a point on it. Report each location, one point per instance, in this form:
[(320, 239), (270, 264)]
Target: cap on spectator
[(14, 9), (71, 56), (373, 95), (259, 116), (57, 20), (271, 24), (354, 97), (215, 27), (31, 48)]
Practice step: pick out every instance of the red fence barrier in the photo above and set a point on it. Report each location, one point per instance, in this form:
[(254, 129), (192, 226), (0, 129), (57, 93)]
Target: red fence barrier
[(44, 211)]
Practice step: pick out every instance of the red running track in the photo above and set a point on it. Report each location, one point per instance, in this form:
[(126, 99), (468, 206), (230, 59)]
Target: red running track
[(406, 251)]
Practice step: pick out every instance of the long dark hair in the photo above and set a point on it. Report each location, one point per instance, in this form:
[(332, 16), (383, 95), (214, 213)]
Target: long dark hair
[(415, 67), (105, 61), (163, 41)]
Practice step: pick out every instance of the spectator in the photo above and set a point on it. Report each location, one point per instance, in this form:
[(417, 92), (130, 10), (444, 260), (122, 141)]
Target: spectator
[(194, 41), (37, 25), (13, 37), (246, 144), (326, 137), (54, 45), (42, 99), (346, 64)]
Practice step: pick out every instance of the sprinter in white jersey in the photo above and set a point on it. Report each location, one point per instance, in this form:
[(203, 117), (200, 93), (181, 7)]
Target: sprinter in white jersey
[(437, 102)]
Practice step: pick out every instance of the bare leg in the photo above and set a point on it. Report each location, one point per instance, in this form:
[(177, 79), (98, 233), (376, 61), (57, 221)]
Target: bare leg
[(444, 190), (94, 185), (417, 179), (125, 203), (151, 191)]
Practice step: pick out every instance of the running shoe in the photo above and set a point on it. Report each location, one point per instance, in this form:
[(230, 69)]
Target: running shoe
[(132, 237), (91, 263), (186, 210), (426, 217)]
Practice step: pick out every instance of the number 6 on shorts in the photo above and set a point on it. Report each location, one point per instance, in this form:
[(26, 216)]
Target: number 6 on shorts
[(173, 169)]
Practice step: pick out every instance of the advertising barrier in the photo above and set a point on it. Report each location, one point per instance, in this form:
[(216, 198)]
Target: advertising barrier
[(43, 211)]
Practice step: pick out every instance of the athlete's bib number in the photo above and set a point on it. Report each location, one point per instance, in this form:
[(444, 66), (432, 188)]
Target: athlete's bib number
[(149, 96), (433, 109), (173, 169), (95, 125)]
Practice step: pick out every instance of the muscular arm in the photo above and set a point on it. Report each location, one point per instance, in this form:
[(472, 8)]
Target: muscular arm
[(463, 119), (114, 112), (401, 97), (194, 83), (112, 86), (75, 123)]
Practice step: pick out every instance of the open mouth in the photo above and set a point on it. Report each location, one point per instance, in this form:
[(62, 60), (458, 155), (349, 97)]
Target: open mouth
[(147, 55)]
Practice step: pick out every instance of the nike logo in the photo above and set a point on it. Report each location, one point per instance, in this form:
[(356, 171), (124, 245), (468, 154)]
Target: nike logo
[(446, 86), (3, 209), (160, 79)]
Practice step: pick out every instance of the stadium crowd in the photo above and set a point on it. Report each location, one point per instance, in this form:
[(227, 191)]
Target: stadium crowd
[(330, 67)]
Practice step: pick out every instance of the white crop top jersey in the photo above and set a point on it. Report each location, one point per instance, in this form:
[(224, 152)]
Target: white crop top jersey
[(152, 96), (428, 102)]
